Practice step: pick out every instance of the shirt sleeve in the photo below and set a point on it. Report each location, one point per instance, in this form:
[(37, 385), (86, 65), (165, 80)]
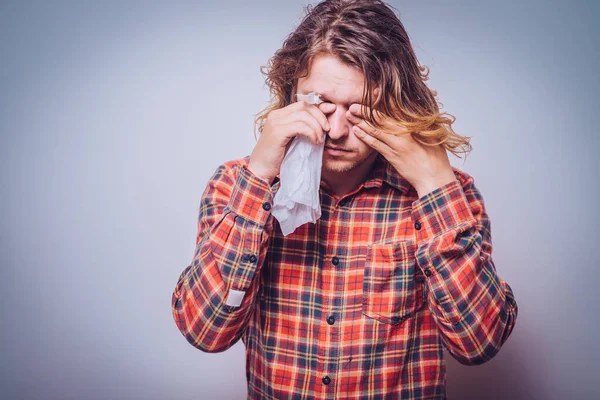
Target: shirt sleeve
[(474, 308), (214, 295)]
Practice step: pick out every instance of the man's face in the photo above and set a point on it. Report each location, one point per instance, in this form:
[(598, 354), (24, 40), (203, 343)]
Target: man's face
[(342, 85)]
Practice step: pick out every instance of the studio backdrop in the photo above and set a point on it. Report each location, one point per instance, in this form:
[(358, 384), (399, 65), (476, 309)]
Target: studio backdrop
[(114, 114)]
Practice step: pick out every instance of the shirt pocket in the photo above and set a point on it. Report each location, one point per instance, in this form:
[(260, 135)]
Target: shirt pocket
[(392, 288)]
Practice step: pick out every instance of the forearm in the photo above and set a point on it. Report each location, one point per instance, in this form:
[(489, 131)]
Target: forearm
[(215, 295), (474, 308)]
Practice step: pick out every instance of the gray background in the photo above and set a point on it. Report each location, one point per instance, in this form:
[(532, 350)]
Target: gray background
[(113, 115)]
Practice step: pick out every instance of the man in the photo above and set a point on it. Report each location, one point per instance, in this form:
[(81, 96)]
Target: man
[(359, 304)]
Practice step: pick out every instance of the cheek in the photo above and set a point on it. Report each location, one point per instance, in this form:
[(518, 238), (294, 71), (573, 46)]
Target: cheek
[(363, 150), (358, 144)]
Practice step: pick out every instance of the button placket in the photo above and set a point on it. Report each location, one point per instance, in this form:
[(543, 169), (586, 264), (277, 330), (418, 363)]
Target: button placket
[(333, 265)]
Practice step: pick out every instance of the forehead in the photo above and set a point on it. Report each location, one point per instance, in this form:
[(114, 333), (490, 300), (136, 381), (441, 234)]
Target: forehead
[(334, 80)]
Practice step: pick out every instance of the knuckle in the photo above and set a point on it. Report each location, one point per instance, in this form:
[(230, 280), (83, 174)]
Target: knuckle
[(311, 117)]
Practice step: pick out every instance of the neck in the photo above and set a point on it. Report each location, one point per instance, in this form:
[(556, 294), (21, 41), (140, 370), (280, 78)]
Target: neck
[(341, 183)]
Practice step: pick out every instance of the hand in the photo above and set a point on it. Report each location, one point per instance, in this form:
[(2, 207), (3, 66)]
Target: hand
[(281, 126), (425, 167)]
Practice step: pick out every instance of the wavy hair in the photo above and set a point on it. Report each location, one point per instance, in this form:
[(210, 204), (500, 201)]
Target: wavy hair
[(368, 35)]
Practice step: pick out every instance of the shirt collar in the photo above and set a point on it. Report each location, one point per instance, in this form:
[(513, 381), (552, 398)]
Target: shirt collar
[(382, 172)]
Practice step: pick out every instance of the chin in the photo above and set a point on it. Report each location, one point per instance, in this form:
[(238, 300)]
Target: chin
[(340, 165)]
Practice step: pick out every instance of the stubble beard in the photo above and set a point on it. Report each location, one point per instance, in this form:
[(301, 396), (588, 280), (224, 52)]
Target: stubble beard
[(343, 166)]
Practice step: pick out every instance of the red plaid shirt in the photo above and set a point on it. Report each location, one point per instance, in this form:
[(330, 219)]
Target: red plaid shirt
[(356, 306)]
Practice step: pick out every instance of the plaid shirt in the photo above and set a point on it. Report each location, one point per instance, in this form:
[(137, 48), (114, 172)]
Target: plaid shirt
[(356, 306)]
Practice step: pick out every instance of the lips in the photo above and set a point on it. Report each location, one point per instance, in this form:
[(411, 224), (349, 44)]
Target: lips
[(335, 148)]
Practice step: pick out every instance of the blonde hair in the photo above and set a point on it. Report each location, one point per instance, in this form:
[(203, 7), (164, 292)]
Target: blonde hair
[(368, 35)]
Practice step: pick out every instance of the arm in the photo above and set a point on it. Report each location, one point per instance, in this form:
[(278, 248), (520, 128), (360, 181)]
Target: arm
[(475, 310), (215, 294)]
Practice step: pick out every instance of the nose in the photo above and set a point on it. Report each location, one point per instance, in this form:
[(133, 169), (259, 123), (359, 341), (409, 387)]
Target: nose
[(340, 126)]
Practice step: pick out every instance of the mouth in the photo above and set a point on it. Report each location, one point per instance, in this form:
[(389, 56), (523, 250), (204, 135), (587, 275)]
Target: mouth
[(335, 148), (335, 151)]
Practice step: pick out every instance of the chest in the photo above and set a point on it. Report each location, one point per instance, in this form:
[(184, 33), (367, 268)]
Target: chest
[(360, 255)]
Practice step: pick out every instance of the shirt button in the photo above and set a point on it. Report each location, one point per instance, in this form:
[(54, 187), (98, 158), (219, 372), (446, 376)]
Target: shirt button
[(427, 272), (266, 206), (326, 380), (335, 260), (331, 320), (417, 225), (252, 258)]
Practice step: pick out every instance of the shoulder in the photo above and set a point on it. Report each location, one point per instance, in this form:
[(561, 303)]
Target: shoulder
[(230, 168), (235, 164), (226, 174)]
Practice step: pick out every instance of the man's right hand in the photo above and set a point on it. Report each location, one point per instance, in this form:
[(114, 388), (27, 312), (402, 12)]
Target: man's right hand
[(281, 126)]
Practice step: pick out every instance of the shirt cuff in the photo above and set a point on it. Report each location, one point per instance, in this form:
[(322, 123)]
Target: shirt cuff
[(251, 197), (442, 210)]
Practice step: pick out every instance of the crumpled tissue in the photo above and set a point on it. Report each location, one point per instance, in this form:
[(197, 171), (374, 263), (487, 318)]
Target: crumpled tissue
[(297, 200)]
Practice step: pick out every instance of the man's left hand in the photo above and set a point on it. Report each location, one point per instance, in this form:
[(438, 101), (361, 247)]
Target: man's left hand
[(425, 167)]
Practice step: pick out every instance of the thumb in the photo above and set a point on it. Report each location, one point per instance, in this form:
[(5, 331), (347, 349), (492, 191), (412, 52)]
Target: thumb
[(327, 107)]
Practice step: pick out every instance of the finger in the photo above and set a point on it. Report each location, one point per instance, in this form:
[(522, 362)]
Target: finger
[(371, 131), (308, 119), (362, 111), (318, 114), (327, 107), (387, 138), (314, 109), (359, 110), (303, 129), (373, 142), (318, 111)]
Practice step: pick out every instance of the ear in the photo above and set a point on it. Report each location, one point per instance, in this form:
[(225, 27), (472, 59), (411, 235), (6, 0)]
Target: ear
[(376, 92)]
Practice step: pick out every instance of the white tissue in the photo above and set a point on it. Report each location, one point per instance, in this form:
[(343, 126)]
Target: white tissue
[(297, 200)]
